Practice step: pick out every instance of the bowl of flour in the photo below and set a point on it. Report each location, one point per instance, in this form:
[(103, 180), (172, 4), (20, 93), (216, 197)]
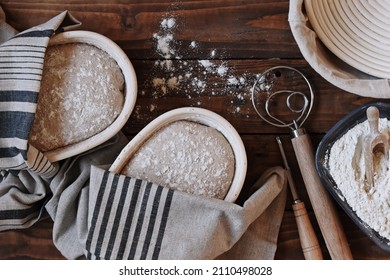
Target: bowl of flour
[(341, 167)]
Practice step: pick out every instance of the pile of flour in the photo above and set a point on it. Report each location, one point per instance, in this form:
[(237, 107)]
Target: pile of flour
[(347, 167)]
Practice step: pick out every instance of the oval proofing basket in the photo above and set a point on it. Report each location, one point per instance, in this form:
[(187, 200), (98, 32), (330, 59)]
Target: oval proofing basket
[(130, 91), (201, 116)]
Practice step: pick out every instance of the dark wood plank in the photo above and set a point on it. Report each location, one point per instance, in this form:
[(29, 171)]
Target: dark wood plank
[(238, 28), (32, 243)]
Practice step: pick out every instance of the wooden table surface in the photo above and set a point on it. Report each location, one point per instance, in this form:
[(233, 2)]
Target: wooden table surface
[(217, 48)]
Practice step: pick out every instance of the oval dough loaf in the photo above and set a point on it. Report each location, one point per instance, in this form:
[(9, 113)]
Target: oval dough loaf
[(186, 156)]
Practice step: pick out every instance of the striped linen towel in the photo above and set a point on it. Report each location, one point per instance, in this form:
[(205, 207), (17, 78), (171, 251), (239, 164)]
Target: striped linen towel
[(27, 197), (21, 65), (24, 171), (134, 219)]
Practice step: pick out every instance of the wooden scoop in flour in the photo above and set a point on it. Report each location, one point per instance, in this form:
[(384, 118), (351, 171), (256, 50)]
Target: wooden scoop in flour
[(375, 142)]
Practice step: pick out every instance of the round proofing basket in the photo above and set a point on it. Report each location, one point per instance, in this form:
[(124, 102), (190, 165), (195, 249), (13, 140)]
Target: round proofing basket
[(355, 32), (130, 91), (333, 69), (201, 116)]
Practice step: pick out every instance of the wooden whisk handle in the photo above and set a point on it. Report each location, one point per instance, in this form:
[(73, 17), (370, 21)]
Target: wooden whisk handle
[(323, 206)]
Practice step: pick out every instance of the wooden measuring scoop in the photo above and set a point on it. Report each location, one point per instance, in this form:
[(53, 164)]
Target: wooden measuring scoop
[(375, 142)]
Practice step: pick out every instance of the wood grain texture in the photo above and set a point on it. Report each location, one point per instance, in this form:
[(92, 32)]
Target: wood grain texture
[(243, 37), (240, 28), (33, 243)]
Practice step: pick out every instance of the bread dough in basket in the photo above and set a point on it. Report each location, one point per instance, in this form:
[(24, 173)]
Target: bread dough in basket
[(186, 156), (81, 94)]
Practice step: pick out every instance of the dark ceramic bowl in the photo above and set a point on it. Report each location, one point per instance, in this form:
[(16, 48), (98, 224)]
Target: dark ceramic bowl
[(336, 132)]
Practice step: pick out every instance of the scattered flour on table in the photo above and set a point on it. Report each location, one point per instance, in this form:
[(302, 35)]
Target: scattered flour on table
[(168, 23), (194, 44), (191, 78), (193, 158), (346, 165)]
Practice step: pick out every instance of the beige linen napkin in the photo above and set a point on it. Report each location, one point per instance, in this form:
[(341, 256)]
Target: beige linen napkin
[(259, 242)]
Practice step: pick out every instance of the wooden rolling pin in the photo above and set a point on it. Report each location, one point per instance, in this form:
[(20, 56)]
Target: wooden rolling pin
[(309, 242), (323, 206)]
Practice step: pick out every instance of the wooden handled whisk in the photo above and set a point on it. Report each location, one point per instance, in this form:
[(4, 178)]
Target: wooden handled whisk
[(269, 93)]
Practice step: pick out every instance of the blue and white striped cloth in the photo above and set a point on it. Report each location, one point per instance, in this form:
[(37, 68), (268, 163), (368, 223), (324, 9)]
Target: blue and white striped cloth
[(24, 171), (21, 65), (134, 219), (129, 218)]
